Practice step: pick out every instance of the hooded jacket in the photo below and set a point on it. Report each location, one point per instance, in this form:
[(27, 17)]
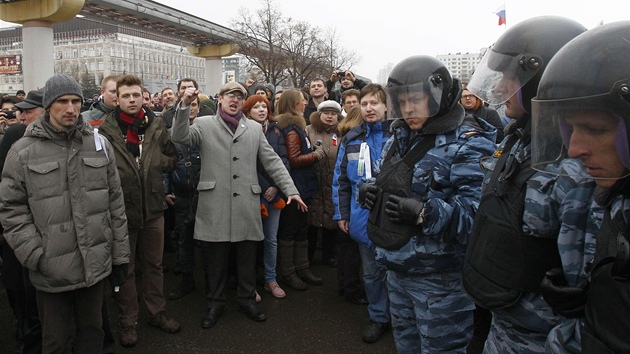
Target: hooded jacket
[(62, 208), (142, 183)]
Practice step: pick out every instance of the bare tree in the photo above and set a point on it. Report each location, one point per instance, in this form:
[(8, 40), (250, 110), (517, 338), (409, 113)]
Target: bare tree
[(261, 42), (281, 50)]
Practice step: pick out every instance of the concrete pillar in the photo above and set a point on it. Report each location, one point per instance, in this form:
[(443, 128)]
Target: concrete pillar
[(38, 52), (214, 65), (213, 75)]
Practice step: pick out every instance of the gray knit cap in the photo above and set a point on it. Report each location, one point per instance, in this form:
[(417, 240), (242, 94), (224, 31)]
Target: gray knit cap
[(60, 85)]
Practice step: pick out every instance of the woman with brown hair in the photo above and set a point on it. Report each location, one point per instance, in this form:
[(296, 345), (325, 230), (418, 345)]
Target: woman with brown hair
[(257, 108), (293, 231)]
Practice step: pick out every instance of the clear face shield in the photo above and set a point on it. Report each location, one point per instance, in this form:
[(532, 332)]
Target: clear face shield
[(499, 76), (421, 100), (583, 128)]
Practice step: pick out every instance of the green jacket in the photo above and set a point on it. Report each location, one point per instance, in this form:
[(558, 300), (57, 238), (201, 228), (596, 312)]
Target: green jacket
[(62, 208), (142, 182)]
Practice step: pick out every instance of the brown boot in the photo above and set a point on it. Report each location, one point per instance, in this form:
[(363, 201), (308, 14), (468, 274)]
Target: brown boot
[(302, 266), (165, 322), (286, 267), (129, 336)]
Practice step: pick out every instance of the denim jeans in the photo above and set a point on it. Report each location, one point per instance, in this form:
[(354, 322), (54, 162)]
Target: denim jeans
[(375, 286), (270, 246), (185, 233)]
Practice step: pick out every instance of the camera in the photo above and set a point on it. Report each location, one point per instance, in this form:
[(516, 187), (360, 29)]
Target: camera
[(341, 74), (10, 114)]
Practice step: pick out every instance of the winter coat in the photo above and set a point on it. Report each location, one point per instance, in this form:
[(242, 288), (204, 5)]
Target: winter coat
[(142, 182), (276, 140), (229, 193), (97, 113), (346, 176), (321, 208), (447, 179), (62, 208), (300, 154)]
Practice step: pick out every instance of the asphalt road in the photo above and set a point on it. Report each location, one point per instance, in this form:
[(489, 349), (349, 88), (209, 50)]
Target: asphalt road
[(317, 320)]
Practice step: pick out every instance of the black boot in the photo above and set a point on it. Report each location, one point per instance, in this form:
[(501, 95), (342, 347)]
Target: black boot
[(187, 286)]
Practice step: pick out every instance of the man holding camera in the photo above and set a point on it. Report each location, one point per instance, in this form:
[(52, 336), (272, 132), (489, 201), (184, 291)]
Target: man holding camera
[(348, 81)]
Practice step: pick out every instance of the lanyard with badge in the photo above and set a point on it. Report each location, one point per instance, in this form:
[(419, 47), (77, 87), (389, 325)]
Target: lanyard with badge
[(365, 164)]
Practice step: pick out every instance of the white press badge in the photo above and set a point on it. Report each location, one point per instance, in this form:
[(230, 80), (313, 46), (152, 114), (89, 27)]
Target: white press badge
[(365, 164), (100, 143)]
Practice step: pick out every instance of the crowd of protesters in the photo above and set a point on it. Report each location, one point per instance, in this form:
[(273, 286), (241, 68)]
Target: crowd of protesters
[(435, 215)]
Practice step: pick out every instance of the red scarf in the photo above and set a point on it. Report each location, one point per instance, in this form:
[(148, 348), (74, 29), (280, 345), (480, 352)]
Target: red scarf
[(135, 126)]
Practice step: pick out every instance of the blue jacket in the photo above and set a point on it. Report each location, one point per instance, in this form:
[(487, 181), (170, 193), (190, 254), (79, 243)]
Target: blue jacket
[(346, 176), (448, 180), (178, 181), (275, 138)]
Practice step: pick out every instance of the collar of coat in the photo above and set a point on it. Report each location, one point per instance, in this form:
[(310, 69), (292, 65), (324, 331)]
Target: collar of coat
[(319, 126), (287, 119), (439, 125), (43, 128)]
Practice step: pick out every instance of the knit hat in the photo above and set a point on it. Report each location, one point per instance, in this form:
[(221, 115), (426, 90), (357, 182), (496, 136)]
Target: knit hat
[(329, 106), (60, 85)]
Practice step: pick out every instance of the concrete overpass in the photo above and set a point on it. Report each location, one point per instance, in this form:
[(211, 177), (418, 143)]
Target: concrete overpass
[(202, 38)]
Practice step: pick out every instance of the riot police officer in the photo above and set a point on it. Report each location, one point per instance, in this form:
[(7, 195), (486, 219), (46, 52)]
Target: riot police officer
[(521, 214), (422, 204), (583, 109)]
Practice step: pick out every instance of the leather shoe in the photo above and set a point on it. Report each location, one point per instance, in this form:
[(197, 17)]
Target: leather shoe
[(253, 312), (357, 300), (210, 318)]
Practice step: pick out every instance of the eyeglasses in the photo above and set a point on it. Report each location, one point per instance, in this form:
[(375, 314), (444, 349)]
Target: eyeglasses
[(467, 96), (232, 95)]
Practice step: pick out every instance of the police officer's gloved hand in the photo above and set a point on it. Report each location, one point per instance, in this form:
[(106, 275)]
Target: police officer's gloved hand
[(118, 277), (404, 210), (568, 301), (367, 195)]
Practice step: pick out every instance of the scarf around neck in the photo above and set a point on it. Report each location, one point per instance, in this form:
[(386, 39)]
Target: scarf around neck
[(230, 120), (135, 126)]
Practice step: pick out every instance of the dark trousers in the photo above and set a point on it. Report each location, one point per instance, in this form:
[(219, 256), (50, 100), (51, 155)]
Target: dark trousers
[(349, 266), (57, 311), (184, 233), (293, 224), (22, 298), (216, 255), (329, 242)]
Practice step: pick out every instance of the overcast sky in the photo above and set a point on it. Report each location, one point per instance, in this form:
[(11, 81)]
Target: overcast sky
[(383, 31)]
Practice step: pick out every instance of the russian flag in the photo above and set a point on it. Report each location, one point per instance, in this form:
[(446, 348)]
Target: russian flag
[(501, 13)]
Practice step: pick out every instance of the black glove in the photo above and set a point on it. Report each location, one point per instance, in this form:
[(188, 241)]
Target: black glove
[(118, 277), (404, 210), (568, 301), (367, 195)]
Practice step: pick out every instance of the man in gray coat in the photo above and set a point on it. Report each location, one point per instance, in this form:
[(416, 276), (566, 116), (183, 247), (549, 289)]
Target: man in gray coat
[(63, 212), (228, 212)]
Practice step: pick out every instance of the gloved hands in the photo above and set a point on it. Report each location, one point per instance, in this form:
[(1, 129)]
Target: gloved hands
[(565, 300), (367, 195), (404, 210), (319, 151), (118, 277)]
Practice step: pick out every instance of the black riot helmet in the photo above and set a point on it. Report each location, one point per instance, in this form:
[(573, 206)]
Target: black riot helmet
[(426, 75), (589, 77), (520, 55)]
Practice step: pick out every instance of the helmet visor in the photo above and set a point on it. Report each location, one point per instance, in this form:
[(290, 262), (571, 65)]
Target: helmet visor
[(584, 128), (499, 76), (421, 100)]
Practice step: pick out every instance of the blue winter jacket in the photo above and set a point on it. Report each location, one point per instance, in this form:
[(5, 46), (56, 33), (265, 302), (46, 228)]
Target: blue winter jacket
[(346, 175)]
